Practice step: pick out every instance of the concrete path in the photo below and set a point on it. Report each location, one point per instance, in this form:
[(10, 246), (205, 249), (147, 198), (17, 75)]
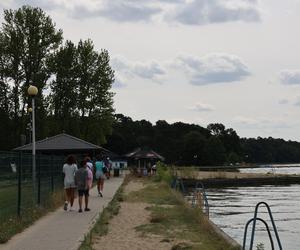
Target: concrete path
[(64, 230)]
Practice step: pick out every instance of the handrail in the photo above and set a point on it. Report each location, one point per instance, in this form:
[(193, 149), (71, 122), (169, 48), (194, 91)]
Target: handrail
[(254, 224), (202, 190), (177, 182), (267, 227)]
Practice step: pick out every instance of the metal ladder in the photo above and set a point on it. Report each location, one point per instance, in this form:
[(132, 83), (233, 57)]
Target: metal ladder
[(177, 183), (199, 187), (253, 220)]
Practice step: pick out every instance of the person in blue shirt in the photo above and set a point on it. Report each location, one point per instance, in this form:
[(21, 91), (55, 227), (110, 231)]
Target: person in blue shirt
[(100, 174)]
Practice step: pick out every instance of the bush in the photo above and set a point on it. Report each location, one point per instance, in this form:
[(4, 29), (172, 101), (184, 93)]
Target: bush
[(163, 173)]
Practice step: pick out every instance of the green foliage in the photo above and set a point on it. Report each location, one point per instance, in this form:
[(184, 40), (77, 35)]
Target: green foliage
[(189, 144), (174, 220), (154, 194), (12, 225), (101, 226), (163, 173), (78, 77)]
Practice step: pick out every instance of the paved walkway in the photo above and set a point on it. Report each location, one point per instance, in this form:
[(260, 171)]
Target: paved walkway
[(63, 230)]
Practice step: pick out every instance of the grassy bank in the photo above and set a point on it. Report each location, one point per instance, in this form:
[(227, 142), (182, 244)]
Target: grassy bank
[(171, 220), (175, 220)]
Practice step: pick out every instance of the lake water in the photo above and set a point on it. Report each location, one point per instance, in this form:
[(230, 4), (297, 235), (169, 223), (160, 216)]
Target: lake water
[(231, 208), (272, 169)]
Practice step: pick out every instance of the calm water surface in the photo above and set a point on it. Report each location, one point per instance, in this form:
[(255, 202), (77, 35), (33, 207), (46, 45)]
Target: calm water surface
[(275, 168), (231, 208)]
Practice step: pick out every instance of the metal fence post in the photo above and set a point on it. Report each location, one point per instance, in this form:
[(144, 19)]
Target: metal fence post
[(39, 180), (19, 167), (51, 171)]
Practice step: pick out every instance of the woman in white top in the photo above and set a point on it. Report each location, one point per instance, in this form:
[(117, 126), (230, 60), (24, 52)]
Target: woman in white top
[(69, 170)]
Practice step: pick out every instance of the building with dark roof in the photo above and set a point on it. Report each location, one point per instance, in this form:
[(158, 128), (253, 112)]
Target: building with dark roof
[(65, 144)]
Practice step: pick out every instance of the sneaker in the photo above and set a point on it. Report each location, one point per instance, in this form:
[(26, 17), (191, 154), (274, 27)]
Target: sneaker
[(100, 193), (66, 206), (87, 209), (71, 209), (80, 210)]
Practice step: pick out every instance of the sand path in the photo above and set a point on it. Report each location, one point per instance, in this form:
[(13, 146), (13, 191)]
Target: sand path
[(122, 233)]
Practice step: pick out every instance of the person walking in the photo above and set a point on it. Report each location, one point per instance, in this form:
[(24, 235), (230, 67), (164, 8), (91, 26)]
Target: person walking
[(69, 170), (90, 171), (81, 180), (100, 174)]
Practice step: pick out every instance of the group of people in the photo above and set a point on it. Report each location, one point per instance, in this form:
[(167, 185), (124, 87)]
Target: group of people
[(82, 179)]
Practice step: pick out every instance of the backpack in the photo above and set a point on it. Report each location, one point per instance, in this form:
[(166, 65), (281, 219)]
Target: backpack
[(104, 169)]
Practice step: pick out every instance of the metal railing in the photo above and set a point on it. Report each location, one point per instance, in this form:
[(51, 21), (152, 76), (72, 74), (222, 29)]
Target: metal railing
[(200, 190), (253, 220), (16, 186), (177, 183)]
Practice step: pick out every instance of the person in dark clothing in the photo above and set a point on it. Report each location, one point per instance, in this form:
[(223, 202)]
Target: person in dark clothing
[(81, 180)]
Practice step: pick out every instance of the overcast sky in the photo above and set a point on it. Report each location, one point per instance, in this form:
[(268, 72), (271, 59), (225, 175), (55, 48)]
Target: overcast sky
[(234, 62)]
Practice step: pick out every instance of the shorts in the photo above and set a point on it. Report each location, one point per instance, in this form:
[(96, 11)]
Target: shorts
[(100, 175), (69, 185), (84, 192)]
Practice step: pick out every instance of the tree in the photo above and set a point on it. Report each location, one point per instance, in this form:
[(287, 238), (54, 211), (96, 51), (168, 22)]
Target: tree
[(194, 144), (64, 95), (216, 129), (215, 153), (29, 38)]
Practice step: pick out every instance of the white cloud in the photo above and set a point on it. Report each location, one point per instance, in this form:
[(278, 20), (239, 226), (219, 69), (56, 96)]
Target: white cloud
[(150, 70), (290, 77), (188, 12), (44, 4), (119, 83), (202, 107), (260, 123), (283, 101), (119, 11), (297, 102), (208, 69), (200, 12), (213, 68)]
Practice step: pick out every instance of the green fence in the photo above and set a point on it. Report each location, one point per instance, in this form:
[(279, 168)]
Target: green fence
[(17, 192)]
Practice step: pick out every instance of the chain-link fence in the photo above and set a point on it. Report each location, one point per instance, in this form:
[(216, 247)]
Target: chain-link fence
[(17, 192)]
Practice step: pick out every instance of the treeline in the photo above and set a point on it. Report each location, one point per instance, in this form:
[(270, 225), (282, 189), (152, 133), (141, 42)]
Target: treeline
[(189, 144), (74, 81)]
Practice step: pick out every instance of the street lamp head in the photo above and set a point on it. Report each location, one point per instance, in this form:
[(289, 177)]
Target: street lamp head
[(32, 90)]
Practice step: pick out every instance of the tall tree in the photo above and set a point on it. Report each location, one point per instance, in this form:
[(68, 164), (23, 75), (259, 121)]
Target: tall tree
[(64, 95), (95, 100), (30, 38)]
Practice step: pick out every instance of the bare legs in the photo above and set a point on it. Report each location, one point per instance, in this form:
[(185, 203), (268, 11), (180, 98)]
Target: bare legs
[(100, 185), (86, 200), (80, 203), (69, 197)]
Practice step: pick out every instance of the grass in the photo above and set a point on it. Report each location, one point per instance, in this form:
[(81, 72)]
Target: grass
[(101, 226), (170, 217), (13, 224), (173, 219)]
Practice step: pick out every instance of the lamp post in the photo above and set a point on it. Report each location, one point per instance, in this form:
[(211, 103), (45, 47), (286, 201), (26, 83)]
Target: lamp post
[(33, 91)]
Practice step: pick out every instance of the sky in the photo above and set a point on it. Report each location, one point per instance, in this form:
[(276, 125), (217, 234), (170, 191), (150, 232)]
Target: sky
[(234, 62)]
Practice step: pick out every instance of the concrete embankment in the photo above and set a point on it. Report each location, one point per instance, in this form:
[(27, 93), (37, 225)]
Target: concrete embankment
[(256, 181), (225, 236)]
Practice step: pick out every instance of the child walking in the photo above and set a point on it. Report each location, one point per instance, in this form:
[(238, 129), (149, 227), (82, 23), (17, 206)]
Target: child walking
[(81, 180)]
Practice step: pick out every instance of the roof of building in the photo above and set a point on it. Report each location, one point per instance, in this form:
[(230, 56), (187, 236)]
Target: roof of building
[(144, 154), (61, 142)]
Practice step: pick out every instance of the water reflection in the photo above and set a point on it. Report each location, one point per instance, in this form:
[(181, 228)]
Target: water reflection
[(231, 208)]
